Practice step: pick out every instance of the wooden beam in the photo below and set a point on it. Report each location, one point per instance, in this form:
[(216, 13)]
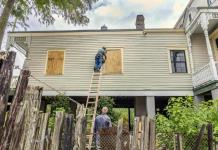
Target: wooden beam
[(199, 138), (210, 136)]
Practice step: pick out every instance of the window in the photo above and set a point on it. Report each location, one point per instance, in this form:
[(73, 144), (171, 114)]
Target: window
[(55, 63), (113, 64), (178, 61)]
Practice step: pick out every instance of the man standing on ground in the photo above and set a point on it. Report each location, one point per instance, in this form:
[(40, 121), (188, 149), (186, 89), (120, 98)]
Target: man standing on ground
[(100, 58), (102, 121)]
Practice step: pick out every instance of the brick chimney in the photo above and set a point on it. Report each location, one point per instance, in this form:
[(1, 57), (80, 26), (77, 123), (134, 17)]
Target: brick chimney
[(140, 24), (104, 28)]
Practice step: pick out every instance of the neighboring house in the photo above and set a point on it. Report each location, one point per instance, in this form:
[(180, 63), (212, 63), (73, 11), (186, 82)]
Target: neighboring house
[(144, 67)]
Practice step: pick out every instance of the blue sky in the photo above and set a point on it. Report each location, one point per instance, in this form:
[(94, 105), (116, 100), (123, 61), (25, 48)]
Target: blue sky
[(122, 13)]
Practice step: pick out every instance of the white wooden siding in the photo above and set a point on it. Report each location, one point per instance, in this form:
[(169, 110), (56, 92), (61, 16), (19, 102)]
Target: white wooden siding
[(199, 51), (145, 61)]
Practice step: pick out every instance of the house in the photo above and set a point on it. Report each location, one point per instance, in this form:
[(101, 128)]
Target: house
[(144, 67)]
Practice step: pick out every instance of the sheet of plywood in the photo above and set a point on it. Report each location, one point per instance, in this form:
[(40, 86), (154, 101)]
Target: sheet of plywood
[(113, 64), (55, 63)]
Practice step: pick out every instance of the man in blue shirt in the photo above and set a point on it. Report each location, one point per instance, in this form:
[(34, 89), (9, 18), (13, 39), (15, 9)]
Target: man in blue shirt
[(100, 58), (102, 121)]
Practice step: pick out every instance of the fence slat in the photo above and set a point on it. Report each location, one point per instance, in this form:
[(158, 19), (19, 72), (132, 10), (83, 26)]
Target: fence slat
[(15, 107), (119, 134), (178, 142), (146, 135), (142, 133), (199, 138), (66, 139), (6, 71), (57, 130), (210, 136), (152, 135), (44, 129), (134, 142)]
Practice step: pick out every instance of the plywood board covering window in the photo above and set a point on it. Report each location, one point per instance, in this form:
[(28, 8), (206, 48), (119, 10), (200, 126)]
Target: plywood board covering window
[(55, 63), (113, 64)]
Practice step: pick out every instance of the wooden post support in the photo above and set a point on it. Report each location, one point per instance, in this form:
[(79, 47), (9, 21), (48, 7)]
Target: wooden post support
[(152, 135), (66, 139), (6, 72), (119, 135), (15, 107), (57, 131), (199, 138), (210, 136)]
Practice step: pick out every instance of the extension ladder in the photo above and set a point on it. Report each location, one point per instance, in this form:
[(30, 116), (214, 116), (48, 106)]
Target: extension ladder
[(91, 106)]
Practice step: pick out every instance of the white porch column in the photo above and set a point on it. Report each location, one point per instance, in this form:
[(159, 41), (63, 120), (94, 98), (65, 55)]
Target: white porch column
[(214, 94), (204, 24), (188, 37), (150, 105), (145, 106)]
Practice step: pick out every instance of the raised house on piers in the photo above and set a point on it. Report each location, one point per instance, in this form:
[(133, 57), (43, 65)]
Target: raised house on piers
[(144, 67)]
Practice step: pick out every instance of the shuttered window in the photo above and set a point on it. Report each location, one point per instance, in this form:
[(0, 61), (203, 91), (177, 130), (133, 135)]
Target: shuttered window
[(113, 64), (55, 63)]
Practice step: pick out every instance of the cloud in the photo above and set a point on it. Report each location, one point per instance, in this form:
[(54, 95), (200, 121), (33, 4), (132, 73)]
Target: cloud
[(147, 4)]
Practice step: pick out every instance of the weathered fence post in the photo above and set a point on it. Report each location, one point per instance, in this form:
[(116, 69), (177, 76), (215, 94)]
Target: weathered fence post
[(152, 135), (32, 99), (57, 130), (210, 136), (199, 138), (66, 139), (6, 72), (83, 134), (134, 142), (15, 107), (78, 128), (146, 134), (43, 127), (178, 142), (119, 135)]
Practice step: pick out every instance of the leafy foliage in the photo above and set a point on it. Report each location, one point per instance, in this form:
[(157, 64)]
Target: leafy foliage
[(109, 103), (185, 117), (73, 11), (57, 103)]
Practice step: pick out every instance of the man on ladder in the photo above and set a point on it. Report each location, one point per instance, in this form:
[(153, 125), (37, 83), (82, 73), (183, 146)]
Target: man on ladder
[(100, 58)]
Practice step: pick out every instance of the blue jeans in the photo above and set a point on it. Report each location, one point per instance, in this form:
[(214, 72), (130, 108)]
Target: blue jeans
[(98, 62)]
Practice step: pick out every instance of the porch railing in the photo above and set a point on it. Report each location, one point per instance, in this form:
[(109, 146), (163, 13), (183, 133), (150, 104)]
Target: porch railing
[(203, 75)]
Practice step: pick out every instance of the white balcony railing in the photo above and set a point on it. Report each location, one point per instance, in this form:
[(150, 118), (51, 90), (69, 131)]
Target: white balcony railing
[(203, 75)]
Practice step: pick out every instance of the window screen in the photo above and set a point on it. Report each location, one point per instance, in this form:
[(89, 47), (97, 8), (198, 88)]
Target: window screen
[(178, 61)]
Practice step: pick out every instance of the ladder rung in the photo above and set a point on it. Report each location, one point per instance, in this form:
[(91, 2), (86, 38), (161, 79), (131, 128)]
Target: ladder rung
[(91, 102), (89, 114)]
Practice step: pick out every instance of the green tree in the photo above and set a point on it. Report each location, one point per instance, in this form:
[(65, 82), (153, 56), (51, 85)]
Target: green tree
[(185, 117), (57, 103), (109, 103), (73, 11)]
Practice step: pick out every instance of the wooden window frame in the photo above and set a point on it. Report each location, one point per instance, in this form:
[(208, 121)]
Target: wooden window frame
[(54, 50), (122, 68), (186, 58)]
